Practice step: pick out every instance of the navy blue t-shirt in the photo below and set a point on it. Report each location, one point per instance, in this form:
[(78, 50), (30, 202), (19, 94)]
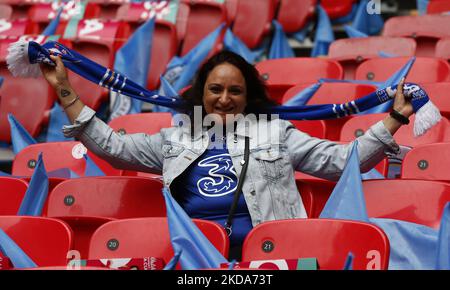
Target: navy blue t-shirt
[(206, 191)]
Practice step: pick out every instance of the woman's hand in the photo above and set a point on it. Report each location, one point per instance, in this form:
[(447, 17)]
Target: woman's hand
[(56, 75), (401, 104)]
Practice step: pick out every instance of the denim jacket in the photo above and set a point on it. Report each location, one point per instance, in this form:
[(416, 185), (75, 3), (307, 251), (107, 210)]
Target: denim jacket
[(269, 188)]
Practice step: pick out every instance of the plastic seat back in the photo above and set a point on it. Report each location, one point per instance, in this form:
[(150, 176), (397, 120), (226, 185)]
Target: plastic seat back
[(6, 11), (443, 48), (204, 17), (17, 27), (357, 125), (114, 197), (425, 29), (46, 241), (424, 69), (336, 9), (282, 74), (11, 195), (149, 123), (350, 52), (293, 15), (57, 155), (438, 7), (328, 240), (428, 162), (416, 201), (147, 237), (440, 95), (253, 21)]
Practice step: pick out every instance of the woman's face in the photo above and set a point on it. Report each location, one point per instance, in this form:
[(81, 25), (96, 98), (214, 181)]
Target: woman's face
[(225, 91)]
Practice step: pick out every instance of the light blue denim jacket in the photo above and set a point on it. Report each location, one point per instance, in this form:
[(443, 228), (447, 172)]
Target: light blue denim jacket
[(269, 187)]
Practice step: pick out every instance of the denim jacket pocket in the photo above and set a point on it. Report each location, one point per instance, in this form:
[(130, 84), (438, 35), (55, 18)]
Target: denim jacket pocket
[(271, 162)]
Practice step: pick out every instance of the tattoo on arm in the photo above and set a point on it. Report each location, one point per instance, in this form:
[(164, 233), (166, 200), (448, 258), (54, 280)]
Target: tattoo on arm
[(65, 93)]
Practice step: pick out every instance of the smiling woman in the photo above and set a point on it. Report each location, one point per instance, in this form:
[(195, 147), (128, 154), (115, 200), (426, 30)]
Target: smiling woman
[(203, 176)]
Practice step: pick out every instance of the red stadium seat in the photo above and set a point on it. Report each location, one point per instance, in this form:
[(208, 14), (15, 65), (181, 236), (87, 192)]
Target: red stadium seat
[(416, 201), (282, 74), (336, 9), (33, 112), (428, 161), (11, 195), (328, 240), (438, 7), (425, 29), (87, 203), (315, 128), (6, 11), (108, 8), (404, 136), (114, 197), (57, 155), (443, 48), (253, 21), (17, 27), (333, 93), (144, 237), (46, 241), (149, 123), (293, 15), (350, 52), (232, 7), (314, 193), (19, 8), (97, 40), (440, 95), (43, 13), (204, 17), (425, 69)]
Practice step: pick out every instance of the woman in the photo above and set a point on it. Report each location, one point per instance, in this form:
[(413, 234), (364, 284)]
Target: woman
[(201, 167)]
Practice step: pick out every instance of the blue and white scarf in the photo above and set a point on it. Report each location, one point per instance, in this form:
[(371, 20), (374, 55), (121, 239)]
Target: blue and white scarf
[(24, 57)]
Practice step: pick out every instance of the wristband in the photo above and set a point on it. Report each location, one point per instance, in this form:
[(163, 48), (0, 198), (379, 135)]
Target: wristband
[(399, 117), (71, 102)]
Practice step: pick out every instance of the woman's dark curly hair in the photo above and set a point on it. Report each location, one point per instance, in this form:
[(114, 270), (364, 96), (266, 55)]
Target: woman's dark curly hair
[(257, 96)]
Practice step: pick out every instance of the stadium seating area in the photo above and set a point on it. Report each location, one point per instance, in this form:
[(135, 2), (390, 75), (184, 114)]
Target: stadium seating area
[(92, 214)]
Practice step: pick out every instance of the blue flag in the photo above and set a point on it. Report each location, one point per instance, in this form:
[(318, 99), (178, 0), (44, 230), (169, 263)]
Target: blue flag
[(133, 60), (369, 24), (324, 34), (412, 246), (353, 32), (422, 6), (443, 251), (20, 138), (58, 119), (302, 98), (181, 70), (195, 250), (36, 194), (1, 81), (62, 173), (53, 25), (16, 255), (91, 168), (232, 43), (280, 47), (372, 174)]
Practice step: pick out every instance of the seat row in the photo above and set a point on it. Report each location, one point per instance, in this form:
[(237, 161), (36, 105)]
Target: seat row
[(49, 242)]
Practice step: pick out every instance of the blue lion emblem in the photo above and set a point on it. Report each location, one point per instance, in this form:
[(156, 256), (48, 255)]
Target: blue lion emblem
[(220, 181)]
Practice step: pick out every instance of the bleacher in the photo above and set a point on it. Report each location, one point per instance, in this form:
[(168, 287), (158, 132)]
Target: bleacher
[(93, 214)]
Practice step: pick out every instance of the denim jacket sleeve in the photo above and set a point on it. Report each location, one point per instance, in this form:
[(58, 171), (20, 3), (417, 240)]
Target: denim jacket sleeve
[(139, 152), (326, 159)]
